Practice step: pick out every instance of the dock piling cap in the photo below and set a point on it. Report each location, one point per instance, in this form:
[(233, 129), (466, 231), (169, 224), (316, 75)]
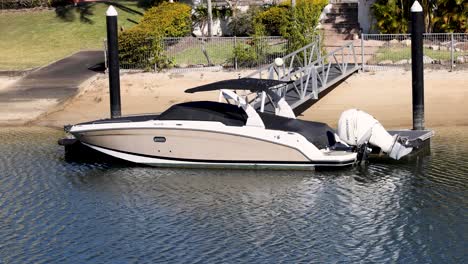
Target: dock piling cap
[(279, 62), (416, 7), (111, 11)]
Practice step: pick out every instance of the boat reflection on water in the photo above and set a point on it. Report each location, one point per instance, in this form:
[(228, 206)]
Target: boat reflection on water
[(348, 212)]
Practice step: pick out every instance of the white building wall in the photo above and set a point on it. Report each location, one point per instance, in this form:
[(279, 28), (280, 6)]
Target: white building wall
[(365, 17)]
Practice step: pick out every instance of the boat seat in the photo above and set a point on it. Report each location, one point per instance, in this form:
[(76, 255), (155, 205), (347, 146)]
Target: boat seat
[(319, 134)]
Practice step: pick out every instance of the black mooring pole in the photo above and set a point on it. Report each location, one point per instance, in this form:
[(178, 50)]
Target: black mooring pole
[(113, 51), (417, 65)]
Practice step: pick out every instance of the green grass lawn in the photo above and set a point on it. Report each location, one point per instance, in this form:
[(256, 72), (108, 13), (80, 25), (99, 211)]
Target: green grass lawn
[(32, 39), (219, 53), (395, 54)]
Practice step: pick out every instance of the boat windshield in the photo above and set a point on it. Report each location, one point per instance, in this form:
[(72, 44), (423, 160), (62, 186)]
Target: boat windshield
[(230, 115)]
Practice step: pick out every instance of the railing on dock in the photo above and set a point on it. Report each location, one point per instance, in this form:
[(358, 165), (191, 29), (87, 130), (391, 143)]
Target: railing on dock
[(309, 72)]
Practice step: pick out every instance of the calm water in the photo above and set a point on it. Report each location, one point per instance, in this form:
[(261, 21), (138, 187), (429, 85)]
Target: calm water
[(52, 211)]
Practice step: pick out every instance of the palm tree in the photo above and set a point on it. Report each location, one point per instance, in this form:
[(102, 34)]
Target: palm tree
[(451, 16), (390, 16), (439, 15), (210, 18)]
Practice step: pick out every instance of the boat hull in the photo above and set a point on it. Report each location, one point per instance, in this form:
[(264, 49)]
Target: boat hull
[(164, 162), (215, 145)]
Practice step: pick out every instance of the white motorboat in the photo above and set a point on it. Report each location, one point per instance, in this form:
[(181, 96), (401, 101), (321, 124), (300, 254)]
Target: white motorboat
[(235, 134)]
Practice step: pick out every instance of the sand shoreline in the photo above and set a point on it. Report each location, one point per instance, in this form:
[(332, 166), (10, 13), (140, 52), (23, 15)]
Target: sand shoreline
[(7, 81), (385, 95)]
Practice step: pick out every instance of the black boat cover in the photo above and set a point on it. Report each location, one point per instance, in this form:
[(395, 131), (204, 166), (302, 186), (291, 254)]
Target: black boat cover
[(252, 84), (230, 115), (319, 134)]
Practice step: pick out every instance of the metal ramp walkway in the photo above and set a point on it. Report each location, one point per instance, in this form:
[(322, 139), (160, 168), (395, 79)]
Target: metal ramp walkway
[(308, 72)]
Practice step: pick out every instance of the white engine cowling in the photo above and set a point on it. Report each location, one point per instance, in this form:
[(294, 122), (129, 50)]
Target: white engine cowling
[(356, 127)]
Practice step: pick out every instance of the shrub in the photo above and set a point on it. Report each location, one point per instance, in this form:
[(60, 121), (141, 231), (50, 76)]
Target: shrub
[(57, 3), (148, 3), (301, 28), (243, 23), (168, 20), (245, 55), (252, 53), (298, 25), (20, 4), (135, 47), (275, 20), (142, 45), (142, 50)]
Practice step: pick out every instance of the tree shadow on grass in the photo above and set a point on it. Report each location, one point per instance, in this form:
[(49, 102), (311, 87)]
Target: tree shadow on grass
[(123, 8), (85, 11), (65, 13), (69, 13)]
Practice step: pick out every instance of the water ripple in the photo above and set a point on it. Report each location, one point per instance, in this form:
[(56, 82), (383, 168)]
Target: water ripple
[(52, 211)]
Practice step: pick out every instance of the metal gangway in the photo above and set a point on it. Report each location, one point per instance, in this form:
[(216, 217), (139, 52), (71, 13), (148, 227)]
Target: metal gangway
[(308, 73)]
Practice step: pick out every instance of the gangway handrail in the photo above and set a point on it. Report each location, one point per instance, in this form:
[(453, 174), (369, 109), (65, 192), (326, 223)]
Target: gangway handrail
[(310, 77), (314, 47)]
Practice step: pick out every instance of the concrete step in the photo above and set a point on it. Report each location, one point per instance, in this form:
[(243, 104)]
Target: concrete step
[(337, 31), (341, 10), (343, 15), (343, 1), (340, 35), (338, 40), (340, 20), (334, 32), (331, 40), (353, 13), (345, 5), (339, 25)]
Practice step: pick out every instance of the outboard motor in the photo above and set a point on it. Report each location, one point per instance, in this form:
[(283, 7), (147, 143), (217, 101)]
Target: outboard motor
[(358, 128)]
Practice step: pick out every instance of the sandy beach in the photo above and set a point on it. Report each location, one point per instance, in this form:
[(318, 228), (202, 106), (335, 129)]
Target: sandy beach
[(385, 94), (6, 82), (140, 93)]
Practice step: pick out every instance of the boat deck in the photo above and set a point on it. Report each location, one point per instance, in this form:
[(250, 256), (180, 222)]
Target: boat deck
[(413, 134), (418, 138)]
